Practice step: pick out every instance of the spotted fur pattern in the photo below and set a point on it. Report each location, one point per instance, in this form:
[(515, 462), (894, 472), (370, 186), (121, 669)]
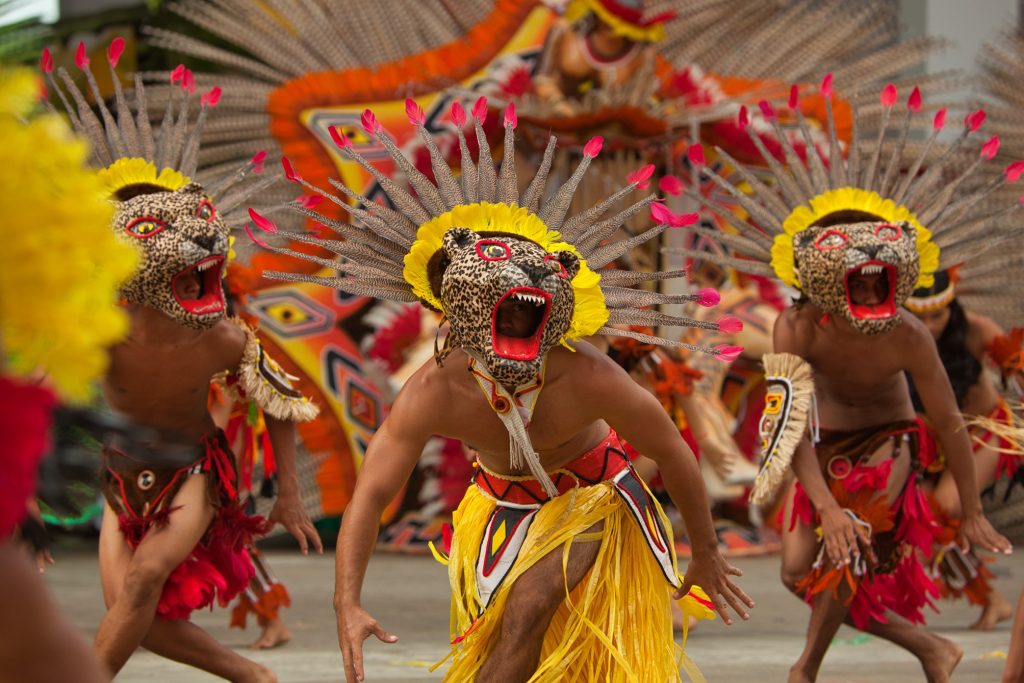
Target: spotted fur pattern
[(826, 255), (174, 231), (482, 270)]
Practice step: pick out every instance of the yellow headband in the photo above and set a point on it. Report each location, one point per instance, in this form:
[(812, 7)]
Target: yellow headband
[(590, 312), (850, 199)]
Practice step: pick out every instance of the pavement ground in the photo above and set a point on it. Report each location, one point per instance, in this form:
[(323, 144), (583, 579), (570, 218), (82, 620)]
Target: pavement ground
[(409, 596)]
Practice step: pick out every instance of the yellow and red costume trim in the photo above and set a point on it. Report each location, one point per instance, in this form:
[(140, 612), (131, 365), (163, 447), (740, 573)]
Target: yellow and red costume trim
[(505, 525)]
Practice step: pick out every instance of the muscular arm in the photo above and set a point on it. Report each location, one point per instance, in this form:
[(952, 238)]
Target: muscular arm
[(288, 510), (390, 459), (640, 419), (925, 367)]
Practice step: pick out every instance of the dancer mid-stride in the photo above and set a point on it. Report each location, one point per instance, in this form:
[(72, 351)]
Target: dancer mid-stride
[(855, 237), (561, 560)]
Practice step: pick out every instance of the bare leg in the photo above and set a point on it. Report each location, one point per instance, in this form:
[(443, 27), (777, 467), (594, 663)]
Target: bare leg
[(1014, 671), (937, 655), (997, 608), (39, 643), (799, 546), (532, 601), (827, 616), (181, 641)]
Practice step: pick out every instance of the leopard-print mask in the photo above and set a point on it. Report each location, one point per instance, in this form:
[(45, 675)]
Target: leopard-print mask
[(862, 272), (184, 246), (509, 301)]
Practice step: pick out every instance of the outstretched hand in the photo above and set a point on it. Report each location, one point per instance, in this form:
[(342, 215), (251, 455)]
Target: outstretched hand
[(978, 531), (355, 625), (289, 512), (711, 572)]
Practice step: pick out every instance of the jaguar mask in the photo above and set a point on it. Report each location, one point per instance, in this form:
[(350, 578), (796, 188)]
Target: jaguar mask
[(184, 247), (859, 271), (508, 300)]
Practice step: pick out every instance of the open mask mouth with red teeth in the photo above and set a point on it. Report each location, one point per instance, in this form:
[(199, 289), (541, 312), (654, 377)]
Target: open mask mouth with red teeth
[(517, 323), (198, 288), (871, 291)]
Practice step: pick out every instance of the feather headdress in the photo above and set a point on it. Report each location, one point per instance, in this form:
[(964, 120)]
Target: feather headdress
[(931, 189), (386, 251), (129, 150)]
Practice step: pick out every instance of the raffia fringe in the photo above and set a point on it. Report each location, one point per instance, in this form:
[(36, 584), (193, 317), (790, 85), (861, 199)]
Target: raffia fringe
[(262, 392), (777, 472), (615, 626), (987, 427)]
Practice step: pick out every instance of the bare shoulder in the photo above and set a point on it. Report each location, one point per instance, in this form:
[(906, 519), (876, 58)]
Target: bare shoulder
[(795, 328), (226, 341), (428, 388), (982, 330), (587, 369)]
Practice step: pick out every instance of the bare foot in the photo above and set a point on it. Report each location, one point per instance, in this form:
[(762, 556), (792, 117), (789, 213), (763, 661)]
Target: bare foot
[(997, 610), (275, 634), (257, 674), (940, 659)]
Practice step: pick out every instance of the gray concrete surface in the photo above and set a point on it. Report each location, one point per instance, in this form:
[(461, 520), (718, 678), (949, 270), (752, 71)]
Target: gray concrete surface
[(409, 596)]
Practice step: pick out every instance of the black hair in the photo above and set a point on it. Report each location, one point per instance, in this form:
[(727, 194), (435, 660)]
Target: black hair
[(962, 368)]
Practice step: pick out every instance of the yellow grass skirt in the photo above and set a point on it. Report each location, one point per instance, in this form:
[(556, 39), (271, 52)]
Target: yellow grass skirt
[(616, 625)]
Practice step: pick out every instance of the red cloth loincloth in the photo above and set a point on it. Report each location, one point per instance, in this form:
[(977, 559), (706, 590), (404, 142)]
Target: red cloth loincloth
[(219, 567), (901, 531)]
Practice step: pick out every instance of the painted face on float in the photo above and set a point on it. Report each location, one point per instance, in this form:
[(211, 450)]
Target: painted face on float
[(184, 245), (860, 272), (508, 300)]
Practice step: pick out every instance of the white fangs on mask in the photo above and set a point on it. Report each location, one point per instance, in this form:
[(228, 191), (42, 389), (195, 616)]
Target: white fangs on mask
[(535, 300)]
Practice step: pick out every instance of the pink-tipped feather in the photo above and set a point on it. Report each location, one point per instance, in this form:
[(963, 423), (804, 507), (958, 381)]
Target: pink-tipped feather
[(81, 57), (177, 74), (727, 353), (339, 138), (708, 297), (661, 215), (730, 324), (310, 201), (767, 110), (889, 95), (211, 98), (114, 51), (696, 154), (257, 161), (671, 185), (593, 146), (289, 172), (974, 120), (990, 148), (510, 116), (794, 97), (480, 110), (826, 87), (743, 118), (458, 114), (914, 101), (188, 82), (262, 222), (414, 112), (46, 61), (1014, 171), (641, 177), (369, 122), (253, 237), (939, 122)]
